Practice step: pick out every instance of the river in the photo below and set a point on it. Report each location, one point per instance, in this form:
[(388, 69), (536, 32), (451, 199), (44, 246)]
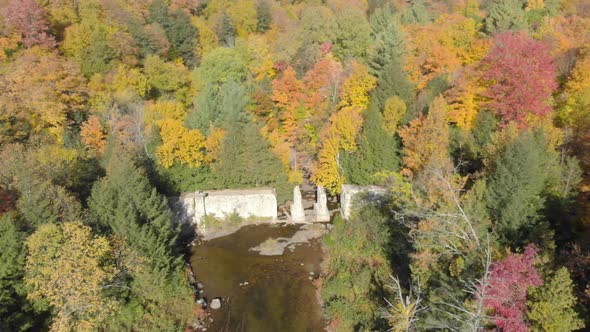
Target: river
[(260, 293)]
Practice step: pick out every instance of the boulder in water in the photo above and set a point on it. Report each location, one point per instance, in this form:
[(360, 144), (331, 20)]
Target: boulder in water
[(215, 304)]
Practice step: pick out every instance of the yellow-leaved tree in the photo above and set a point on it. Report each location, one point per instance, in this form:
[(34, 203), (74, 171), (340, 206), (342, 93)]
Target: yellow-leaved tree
[(179, 144), (394, 112), (343, 127), (40, 88), (465, 97), (68, 267)]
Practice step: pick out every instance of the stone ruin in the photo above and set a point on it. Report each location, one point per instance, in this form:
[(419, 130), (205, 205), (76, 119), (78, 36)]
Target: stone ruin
[(262, 203), (322, 214), (247, 203), (374, 193), (297, 211)]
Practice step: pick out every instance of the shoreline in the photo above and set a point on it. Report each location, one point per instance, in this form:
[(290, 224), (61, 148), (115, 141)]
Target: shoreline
[(210, 233)]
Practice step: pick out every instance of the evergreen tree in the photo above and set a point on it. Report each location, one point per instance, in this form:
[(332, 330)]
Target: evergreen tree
[(232, 104), (436, 87), (263, 16), (182, 35), (393, 81), (516, 186), (382, 17), (378, 151), (126, 203), (217, 105), (226, 31), (416, 13), (180, 31), (207, 103), (483, 127), (390, 47), (158, 297), (505, 15), (246, 161), (43, 202), (16, 313)]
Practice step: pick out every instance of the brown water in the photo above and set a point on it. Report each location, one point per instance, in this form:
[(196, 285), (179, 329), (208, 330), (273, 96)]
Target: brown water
[(279, 295)]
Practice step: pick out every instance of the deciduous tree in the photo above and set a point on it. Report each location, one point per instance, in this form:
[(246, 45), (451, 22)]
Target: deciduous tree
[(551, 306), (180, 145), (521, 77), (29, 19), (426, 139), (42, 90), (68, 267), (93, 135), (510, 279)]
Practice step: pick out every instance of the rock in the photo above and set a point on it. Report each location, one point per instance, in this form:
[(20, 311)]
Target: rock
[(216, 303), (200, 285)]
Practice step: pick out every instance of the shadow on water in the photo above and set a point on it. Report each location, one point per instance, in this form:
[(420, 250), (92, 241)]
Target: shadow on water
[(278, 296)]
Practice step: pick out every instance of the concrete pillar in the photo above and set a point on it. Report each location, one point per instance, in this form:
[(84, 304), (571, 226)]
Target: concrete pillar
[(297, 212), (321, 206)]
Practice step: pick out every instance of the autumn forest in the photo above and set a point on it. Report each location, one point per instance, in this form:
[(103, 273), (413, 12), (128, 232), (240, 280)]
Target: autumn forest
[(474, 114)]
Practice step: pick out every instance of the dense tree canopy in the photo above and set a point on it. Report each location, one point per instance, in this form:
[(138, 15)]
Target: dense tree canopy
[(473, 115)]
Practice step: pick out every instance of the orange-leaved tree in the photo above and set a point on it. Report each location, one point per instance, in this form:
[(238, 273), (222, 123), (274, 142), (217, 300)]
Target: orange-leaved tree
[(426, 139)]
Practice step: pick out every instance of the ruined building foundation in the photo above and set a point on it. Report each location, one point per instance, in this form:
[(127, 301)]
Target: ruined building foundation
[(247, 203)]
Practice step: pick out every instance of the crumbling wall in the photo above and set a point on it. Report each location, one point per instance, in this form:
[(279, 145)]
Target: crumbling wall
[(247, 203), (374, 193)]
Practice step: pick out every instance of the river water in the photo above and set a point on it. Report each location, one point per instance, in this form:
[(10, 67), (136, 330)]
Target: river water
[(279, 295)]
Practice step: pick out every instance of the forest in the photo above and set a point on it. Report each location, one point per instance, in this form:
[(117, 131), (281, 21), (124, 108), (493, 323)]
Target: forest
[(475, 114)]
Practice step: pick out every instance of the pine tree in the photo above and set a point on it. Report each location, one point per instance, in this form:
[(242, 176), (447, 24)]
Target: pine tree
[(180, 31), (378, 151), (182, 35), (263, 16), (416, 13), (125, 202), (246, 161), (391, 46), (16, 313), (157, 293), (515, 187), (393, 81), (207, 104), (226, 31), (505, 15)]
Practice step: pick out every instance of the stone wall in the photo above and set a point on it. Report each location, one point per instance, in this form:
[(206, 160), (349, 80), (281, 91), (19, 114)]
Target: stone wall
[(192, 207), (374, 193)]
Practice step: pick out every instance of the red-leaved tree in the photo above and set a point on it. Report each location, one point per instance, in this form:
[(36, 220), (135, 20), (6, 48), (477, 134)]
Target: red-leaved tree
[(505, 296), (29, 19), (521, 77)]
